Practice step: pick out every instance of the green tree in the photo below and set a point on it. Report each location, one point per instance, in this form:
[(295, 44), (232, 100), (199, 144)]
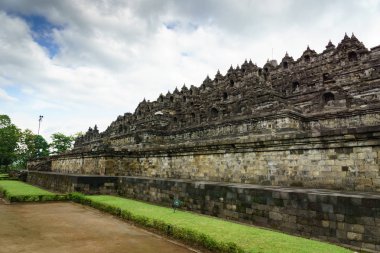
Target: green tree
[(61, 143), (26, 144), (31, 146), (41, 147), (9, 138)]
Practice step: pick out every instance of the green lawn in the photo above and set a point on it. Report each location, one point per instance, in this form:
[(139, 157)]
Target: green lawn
[(20, 191), (248, 238)]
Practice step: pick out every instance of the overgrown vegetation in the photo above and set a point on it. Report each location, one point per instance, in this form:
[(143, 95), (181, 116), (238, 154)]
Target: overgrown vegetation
[(16, 191), (211, 233)]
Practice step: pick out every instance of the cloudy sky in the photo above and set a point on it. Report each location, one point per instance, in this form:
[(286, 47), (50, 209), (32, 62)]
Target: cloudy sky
[(84, 62)]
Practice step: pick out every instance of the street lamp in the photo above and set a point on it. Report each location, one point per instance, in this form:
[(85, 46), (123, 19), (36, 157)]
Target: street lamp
[(39, 123)]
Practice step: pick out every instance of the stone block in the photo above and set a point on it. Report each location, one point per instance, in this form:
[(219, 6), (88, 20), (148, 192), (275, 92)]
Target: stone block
[(327, 208), (342, 226), (369, 246), (292, 219), (374, 231), (312, 197), (260, 220), (275, 216), (339, 217), (367, 221), (354, 236), (357, 228), (284, 195), (325, 223), (276, 194), (341, 234)]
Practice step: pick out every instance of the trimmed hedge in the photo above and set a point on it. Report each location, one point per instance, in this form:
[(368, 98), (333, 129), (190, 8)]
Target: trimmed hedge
[(183, 234), (34, 198), (16, 191), (4, 176)]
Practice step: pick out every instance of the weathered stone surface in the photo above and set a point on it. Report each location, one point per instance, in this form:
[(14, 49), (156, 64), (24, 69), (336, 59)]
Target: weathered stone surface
[(70, 183), (354, 236), (240, 166)]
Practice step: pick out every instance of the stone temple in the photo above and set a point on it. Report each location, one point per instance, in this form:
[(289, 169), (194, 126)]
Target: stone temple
[(293, 145)]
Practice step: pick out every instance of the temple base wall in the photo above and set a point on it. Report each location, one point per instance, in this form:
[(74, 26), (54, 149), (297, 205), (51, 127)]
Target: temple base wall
[(343, 162)]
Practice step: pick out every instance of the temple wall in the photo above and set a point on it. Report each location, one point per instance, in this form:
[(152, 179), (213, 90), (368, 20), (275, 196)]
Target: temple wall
[(346, 162), (81, 165)]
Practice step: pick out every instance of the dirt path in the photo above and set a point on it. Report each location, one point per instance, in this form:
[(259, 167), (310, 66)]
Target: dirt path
[(68, 227)]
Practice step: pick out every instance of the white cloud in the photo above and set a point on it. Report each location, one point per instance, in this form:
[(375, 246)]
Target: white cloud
[(112, 54)]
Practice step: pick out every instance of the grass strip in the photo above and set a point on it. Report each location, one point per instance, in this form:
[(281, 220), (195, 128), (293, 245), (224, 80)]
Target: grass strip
[(211, 233), (16, 191)]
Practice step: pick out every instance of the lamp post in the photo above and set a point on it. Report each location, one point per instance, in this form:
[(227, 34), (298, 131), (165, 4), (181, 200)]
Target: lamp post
[(39, 123)]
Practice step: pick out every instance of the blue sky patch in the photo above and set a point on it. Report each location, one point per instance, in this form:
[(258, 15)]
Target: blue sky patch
[(13, 91), (177, 25), (172, 25), (42, 32)]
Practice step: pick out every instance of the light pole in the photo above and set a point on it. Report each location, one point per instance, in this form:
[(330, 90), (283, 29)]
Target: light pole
[(39, 123)]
